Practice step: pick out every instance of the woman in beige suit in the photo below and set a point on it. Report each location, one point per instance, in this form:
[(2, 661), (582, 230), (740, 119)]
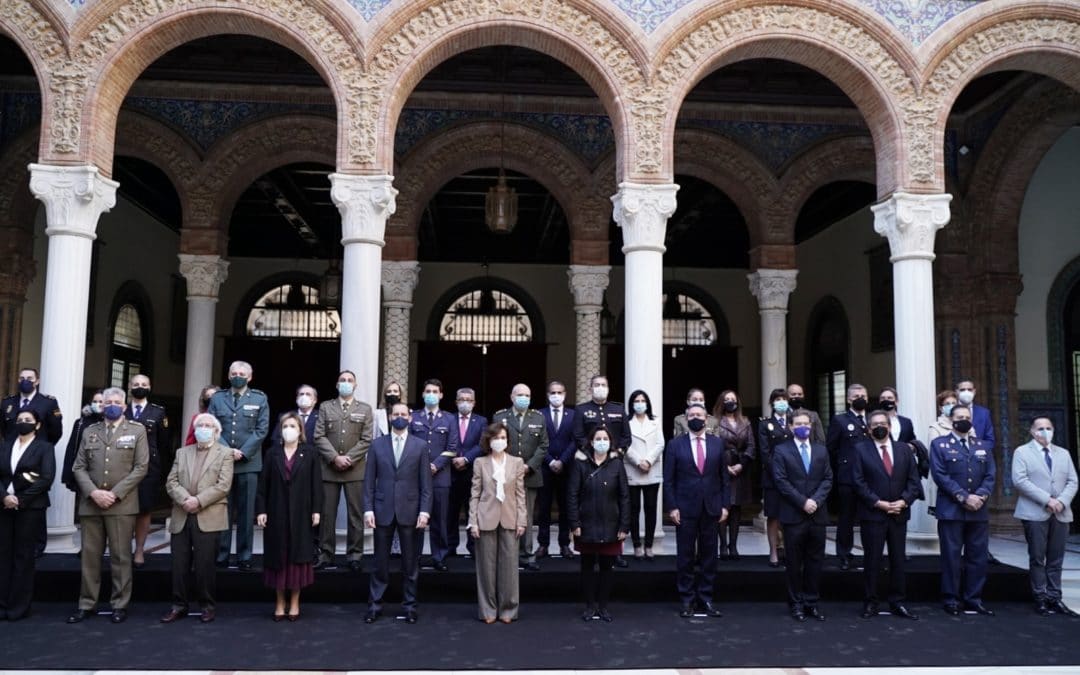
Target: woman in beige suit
[(198, 485), (497, 520)]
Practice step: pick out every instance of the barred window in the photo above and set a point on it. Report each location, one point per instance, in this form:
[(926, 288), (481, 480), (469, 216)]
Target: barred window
[(293, 310), (126, 350), (687, 322), (486, 315)]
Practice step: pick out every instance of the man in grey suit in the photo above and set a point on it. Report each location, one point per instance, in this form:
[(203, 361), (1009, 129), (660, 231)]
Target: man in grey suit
[(397, 498), (1045, 477)]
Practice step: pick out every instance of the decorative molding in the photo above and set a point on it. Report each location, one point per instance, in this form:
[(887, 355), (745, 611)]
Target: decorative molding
[(642, 211), (399, 281), (74, 197), (772, 288), (588, 283), (204, 275), (365, 203), (910, 223)]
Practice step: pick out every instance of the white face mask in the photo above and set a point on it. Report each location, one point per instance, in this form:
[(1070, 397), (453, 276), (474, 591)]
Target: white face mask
[(600, 392), (966, 397), (290, 434), (556, 400), (498, 445), (303, 401), (1047, 435)]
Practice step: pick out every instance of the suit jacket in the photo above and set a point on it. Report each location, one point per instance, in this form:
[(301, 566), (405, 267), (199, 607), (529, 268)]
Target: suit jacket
[(846, 431), (397, 492), (469, 448), (872, 483), (983, 425), (275, 435), (117, 465), (695, 494), (212, 489), (244, 425), (1036, 485), (441, 438), (486, 512), (528, 440), (958, 473), (32, 477), (795, 485), (341, 432), (47, 409), (561, 444), (907, 429)]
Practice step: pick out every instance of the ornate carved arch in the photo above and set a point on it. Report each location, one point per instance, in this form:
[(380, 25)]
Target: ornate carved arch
[(151, 141), (17, 204)]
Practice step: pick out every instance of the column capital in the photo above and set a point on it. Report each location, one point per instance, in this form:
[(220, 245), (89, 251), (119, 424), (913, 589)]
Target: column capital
[(772, 288), (399, 280), (910, 223), (365, 203), (642, 210), (74, 197), (204, 274), (588, 283)]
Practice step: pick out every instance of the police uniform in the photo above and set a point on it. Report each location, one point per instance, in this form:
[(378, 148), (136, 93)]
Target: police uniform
[(343, 429), (47, 409), (440, 434), (590, 414), (846, 431), (245, 420), (113, 459), (962, 467), (772, 431), (527, 438), (158, 435)]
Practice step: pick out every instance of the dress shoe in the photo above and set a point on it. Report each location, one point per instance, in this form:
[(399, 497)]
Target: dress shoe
[(323, 565), (621, 562), (1059, 607), (844, 563), (952, 610), (649, 553), (278, 618), (566, 552), (982, 609), (903, 612), (711, 610), (506, 620), (208, 615), (639, 553), (541, 552), (80, 615), (371, 616), (489, 620), (118, 616), (293, 618), (440, 566), (1042, 608), (173, 614), (686, 612), (774, 563), (410, 617), (813, 613), (245, 566), (531, 567), (869, 610), (797, 614), (356, 566), (724, 555), (135, 564), (604, 616), (733, 554), (589, 614)]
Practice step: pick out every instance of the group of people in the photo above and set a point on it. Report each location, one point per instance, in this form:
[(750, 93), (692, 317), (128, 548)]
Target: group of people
[(403, 472)]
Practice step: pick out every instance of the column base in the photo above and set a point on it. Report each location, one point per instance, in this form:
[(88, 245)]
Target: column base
[(63, 539), (922, 543)]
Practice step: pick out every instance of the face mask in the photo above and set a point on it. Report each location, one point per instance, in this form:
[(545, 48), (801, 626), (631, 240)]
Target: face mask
[(391, 400), (464, 408), (26, 386), (946, 409), (400, 423), (238, 382), (600, 393), (966, 397), (797, 402), (640, 407), (780, 406), (25, 428), (303, 401), (880, 433), (1047, 435), (730, 406), (522, 402), (289, 434), (204, 435), (498, 445), (696, 424), (601, 447), (802, 433), (139, 393), (858, 404), (345, 388), (96, 408), (888, 405), (113, 412), (962, 426), (695, 402), (556, 400), (431, 400)]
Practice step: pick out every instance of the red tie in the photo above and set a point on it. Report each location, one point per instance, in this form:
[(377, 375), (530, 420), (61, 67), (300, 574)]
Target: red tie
[(886, 460), (700, 456), (463, 426)]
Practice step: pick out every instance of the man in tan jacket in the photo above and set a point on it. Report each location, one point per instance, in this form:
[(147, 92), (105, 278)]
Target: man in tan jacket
[(198, 485)]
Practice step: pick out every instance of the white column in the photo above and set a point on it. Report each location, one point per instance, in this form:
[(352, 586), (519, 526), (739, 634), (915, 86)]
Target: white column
[(588, 283), (910, 222), (204, 275), (74, 198), (642, 211), (772, 288), (365, 203), (399, 280)]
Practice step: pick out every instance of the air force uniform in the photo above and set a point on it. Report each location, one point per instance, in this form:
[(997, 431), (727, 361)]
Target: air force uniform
[(439, 431)]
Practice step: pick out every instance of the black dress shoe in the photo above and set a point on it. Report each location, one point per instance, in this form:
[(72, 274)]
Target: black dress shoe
[(1042, 608), (323, 565), (711, 610), (903, 612), (686, 612), (356, 566), (869, 610), (531, 567), (604, 616), (589, 614), (245, 566), (566, 552), (80, 615), (733, 554), (621, 562), (173, 615), (797, 614), (371, 616), (812, 612), (541, 552), (952, 610), (774, 563), (118, 616), (1060, 608), (982, 609), (844, 563), (440, 566), (724, 555), (410, 617), (207, 616)]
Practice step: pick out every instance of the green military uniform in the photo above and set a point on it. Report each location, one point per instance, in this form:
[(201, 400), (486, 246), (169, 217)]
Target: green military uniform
[(527, 438), (343, 429)]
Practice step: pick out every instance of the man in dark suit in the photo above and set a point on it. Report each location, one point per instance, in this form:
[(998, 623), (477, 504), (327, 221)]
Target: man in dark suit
[(307, 400), (559, 420), (470, 427), (397, 498), (803, 477), (846, 431), (696, 499), (159, 437), (887, 483), (900, 427), (45, 406), (438, 430)]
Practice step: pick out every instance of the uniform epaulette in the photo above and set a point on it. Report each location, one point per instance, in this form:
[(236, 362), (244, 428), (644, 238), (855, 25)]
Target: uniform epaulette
[(47, 396), (502, 412), (253, 390), (155, 405)]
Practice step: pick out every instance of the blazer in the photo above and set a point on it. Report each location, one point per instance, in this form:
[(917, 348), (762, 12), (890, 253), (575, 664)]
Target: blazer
[(1036, 485), (212, 489), (695, 494), (907, 429), (873, 484), (470, 447), (397, 492), (982, 425), (117, 465), (646, 443), (486, 512), (289, 503), (739, 443), (795, 485), (958, 473), (561, 443), (338, 432), (527, 438), (32, 477)]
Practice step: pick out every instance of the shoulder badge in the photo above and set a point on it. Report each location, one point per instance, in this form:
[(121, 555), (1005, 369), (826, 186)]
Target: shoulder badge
[(165, 422)]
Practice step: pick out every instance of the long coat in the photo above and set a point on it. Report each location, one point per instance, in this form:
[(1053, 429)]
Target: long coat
[(739, 449), (288, 505)]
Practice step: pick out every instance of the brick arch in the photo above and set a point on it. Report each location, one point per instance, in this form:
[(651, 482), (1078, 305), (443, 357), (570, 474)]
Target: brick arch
[(117, 39), (583, 34), (859, 53), (38, 29), (147, 139), (479, 145)]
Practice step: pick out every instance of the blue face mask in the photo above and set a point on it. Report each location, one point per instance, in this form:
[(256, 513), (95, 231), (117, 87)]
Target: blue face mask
[(204, 434), (601, 446), (802, 433), (780, 406), (400, 423), (946, 409), (431, 399), (640, 407), (114, 412), (522, 402), (345, 388)]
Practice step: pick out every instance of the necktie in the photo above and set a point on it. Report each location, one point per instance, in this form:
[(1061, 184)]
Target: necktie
[(397, 450), (25, 403), (138, 411), (1049, 464), (700, 456), (109, 429), (236, 399), (963, 444), (430, 418), (886, 460), (463, 425), (804, 450), (782, 421), (558, 418), (303, 418)]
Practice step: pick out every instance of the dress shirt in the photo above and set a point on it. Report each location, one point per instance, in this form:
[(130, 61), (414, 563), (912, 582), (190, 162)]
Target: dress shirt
[(17, 450)]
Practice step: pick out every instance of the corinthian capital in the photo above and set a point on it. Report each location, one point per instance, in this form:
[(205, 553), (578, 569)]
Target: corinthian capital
[(204, 274), (772, 288), (399, 279), (365, 203), (74, 197), (642, 212), (910, 223), (588, 283)]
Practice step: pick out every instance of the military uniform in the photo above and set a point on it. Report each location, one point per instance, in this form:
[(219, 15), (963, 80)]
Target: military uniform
[(962, 467), (846, 431), (158, 437), (47, 409), (772, 431), (440, 435), (245, 420), (527, 438), (590, 414), (343, 429), (114, 459)]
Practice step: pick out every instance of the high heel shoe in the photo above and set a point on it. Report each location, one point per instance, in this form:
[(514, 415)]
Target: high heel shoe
[(293, 618), (278, 618)]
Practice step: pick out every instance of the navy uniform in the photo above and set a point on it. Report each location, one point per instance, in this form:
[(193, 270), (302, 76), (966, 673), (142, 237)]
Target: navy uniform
[(46, 407), (439, 431), (846, 431), (772, 431), (245, 420), (158, 437), (962, 467), (527, 438), (588, 415)]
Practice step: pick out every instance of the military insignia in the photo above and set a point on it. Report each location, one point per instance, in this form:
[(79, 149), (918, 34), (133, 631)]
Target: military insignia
[(770, 426), (980, 454), (165, 422), (250, 406), (56, 413), (590, 413), (851, 427)]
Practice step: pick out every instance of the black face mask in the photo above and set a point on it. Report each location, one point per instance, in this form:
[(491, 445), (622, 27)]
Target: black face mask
[(880, 433), (797, 402), (392, 400), (859, 404), (730, 406), (204, 403), (696, 424), (24, 428), (962, 426), (139, 393), (887, 405)]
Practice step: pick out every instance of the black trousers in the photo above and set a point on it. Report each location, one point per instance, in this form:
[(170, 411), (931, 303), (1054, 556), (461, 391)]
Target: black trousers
[(18, 542), (874, 535), (804, 548), (636, 493), (194, 550), (410, 539), (551, 492), (596, 586), (695, 558), (845, 520)]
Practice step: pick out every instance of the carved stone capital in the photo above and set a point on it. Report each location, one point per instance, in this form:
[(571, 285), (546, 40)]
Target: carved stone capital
[(772, 288), (74, 197), (399, 280), (204, 274), (588, 283), (642, 211), (365, 203), (910, 223)]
